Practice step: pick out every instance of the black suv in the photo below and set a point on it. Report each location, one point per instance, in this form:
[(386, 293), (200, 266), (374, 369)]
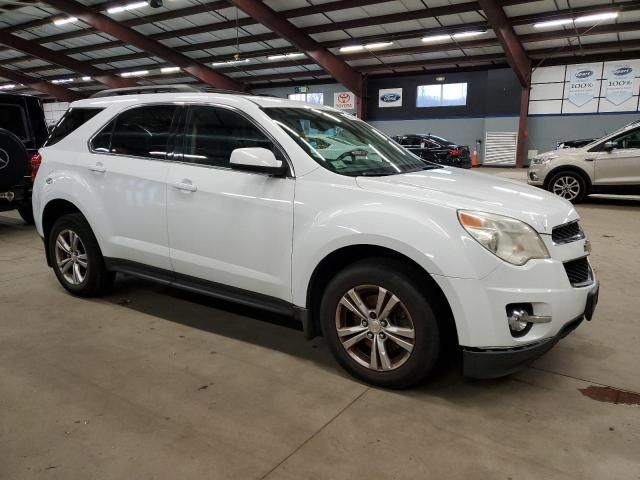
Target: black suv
[(23, 130), (436, 149)]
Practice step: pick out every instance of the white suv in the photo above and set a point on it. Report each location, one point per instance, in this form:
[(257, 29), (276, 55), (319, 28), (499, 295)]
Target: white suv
[(391, 258), (610, 164)]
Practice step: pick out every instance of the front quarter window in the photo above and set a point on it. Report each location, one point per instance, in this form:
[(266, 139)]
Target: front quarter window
[(345, 145)]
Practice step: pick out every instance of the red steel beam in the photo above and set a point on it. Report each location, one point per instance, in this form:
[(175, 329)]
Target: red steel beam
[(43, 86), (58, 58), (107, 25), (339, 69), (513, 49)]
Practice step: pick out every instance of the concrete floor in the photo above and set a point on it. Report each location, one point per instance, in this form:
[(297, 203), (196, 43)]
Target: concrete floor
[(153, 383)]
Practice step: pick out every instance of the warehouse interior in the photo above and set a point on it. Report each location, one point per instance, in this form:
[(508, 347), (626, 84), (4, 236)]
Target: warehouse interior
[(151, 381)]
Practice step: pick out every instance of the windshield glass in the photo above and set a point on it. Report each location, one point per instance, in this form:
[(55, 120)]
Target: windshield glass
[(344, 144), (614, 133)]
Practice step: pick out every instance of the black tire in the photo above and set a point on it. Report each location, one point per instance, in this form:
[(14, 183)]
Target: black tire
[(564, 179), (97, 278), (402, 281), (14, 160), (26, 212)]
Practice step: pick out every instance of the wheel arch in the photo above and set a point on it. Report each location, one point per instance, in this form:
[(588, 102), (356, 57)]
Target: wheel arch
[(345, 256), (53, 210), (568, 168)]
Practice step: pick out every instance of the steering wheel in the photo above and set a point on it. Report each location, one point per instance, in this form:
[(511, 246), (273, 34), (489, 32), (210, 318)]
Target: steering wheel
[(351, 154)]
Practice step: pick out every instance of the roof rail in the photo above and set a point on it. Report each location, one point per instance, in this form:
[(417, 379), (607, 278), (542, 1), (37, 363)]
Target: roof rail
[(114, 92)]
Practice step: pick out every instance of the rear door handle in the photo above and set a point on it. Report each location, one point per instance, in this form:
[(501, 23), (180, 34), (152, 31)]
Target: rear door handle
[(589, 159), (185, 186), (98, 168)]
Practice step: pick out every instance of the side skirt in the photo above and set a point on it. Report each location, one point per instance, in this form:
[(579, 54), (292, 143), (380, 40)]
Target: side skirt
[(212, 289)]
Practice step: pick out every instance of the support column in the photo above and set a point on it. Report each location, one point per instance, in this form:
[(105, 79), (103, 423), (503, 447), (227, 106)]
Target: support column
[(523, 132)]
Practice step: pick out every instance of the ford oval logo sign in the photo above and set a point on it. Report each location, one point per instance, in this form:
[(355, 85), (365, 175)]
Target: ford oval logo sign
[(622, 71), (390, 97), (584, 74)]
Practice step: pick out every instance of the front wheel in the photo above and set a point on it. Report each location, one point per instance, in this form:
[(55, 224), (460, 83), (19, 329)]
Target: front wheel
[(379, 325), (568, 185)]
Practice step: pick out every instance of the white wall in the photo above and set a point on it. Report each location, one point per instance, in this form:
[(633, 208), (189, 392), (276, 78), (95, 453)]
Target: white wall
[(53, 111)]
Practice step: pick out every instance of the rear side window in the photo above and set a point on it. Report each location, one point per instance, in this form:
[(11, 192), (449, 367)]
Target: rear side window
[(13, 118), (212, 133), (141, 132), (70, 121)]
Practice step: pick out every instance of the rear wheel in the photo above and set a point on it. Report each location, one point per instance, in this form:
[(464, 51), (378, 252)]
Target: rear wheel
[(568, 185), (379, 324), (76, 257)]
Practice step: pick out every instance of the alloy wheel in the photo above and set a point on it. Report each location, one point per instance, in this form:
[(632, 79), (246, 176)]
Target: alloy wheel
[(375, 327), (566, 187), (71, 257)]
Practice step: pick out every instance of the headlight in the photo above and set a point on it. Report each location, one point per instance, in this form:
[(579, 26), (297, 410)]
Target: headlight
[(542, 160), (509, 239)]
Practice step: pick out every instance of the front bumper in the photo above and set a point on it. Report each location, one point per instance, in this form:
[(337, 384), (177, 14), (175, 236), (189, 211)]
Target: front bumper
[(494, 363), (536, 174)]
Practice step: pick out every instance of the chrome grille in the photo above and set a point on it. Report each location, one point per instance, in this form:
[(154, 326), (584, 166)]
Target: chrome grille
[(569, 232), (579, 272)]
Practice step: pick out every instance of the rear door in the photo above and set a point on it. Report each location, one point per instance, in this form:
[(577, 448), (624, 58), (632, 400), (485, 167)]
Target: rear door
[(231, 227), (127, 168), (620, 166)]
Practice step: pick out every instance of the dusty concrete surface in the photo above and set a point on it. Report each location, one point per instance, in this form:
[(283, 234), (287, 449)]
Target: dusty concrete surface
[(150, 383)]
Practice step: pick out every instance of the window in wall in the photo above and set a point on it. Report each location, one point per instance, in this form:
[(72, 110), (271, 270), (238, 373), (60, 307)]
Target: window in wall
[(442, 95), (213, 133), (313, 98), (143, 131)]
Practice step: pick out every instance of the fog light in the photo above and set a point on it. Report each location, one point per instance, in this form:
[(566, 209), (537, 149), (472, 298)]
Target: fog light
[(533, 176), (517, 321)]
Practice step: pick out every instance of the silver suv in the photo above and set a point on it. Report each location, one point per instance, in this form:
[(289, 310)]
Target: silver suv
[(610, 164)]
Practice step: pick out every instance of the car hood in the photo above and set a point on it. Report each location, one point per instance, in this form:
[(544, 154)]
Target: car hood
[(463, 189)]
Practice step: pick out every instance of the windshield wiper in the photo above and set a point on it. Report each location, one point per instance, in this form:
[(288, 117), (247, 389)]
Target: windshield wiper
[(375, 174)]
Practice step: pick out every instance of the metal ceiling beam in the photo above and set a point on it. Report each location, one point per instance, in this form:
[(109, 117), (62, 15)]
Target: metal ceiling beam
[(513, 49), (43, 86), (57, 58), (130, 36), (339, 69)]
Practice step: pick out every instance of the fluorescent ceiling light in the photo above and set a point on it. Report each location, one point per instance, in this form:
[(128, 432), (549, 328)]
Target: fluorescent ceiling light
[(8, 86), (86, 79), (436, 38), (170, 69), (231, 62), (553, 23), (284, 55), (62, 80), (468, 34), (62, 21), (134, 74), (352, 48), (374, 46), (129, 6), (596, 17)]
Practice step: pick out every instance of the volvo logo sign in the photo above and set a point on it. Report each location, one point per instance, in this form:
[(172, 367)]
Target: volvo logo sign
[(584, 74), (390, 97), (619, 72), (4, 158)]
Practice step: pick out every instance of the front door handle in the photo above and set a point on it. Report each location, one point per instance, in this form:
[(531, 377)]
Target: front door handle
[(98, 168), (185, 185), (589, 159)]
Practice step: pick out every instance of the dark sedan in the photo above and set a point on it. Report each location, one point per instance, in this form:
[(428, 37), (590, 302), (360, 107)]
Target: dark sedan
[(436, 149)]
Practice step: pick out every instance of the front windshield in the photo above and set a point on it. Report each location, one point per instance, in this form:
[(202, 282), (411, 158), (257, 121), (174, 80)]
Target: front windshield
[(344, 144)]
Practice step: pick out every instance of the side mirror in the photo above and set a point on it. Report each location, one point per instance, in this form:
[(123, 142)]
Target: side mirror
[(610, 145), (257, 160)]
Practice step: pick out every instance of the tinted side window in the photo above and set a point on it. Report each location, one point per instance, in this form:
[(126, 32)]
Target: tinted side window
[(12, 118), (70, 121), (629, 140), (143, 131), (212, 133), (102, 140)]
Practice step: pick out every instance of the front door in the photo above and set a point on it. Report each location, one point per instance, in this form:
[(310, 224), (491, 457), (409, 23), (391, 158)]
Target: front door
[(620, 166), (227, 226)]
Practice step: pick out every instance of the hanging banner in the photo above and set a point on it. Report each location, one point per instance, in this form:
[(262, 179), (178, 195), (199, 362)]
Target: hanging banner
[(389, 97), (619, 82), (583, 83), (344, 101)]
